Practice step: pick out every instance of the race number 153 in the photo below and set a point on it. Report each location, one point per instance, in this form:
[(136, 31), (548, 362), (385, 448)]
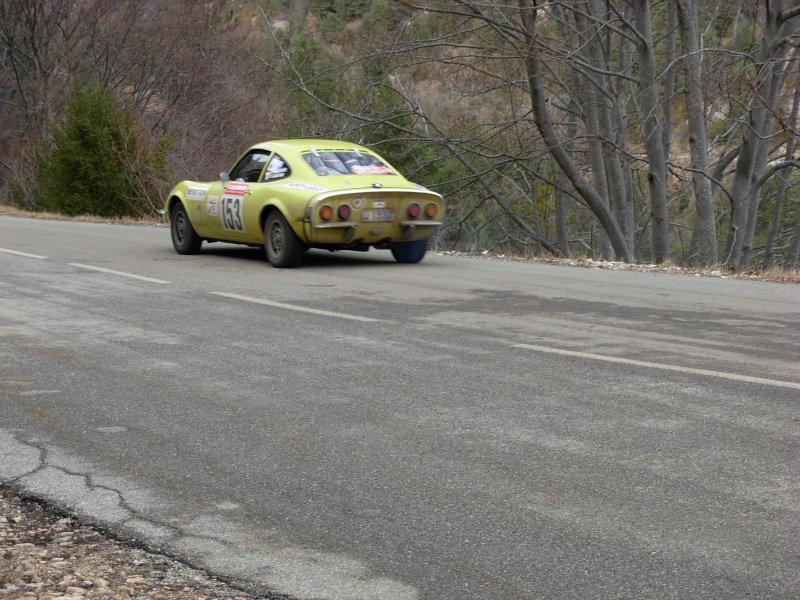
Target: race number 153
[(231, 213)]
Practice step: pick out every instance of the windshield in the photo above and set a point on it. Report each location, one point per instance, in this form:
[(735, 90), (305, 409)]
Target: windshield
[(345, 163)]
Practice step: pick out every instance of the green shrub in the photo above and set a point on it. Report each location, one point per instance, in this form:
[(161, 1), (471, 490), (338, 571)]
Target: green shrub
[(96, 161)]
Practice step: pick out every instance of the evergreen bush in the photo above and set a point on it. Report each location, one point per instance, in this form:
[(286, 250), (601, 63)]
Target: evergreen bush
[(96, 161)]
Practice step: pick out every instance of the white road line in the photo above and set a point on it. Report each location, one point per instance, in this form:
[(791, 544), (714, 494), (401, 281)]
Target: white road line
[(313, 311), (641, 363), (18, 253), (120, 273)]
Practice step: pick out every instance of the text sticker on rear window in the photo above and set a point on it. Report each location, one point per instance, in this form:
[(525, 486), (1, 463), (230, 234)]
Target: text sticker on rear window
[(371, 170), (277, 169), (344, 162)]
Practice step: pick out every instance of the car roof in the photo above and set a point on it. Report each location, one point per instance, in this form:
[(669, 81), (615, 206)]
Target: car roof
[(307, 144)]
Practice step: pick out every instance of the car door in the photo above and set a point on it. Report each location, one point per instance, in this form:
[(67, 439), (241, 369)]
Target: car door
[(229, 202)]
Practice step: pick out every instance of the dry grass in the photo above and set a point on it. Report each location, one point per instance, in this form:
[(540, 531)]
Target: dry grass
[(16, 212)]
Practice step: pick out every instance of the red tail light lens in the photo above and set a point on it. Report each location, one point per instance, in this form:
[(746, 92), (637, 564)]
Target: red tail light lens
[(325, 213), (414, 210), (431, 210), (344, 212)]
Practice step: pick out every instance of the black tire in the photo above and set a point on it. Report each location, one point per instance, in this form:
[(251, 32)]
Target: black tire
[(283, 248), (184, 237), (410, 252)]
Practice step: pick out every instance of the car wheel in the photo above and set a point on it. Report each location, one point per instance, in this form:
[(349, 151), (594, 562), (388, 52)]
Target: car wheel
[(410, 252), (184, 237), (281, 244)]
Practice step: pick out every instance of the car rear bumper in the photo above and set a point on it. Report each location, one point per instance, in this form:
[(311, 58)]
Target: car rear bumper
[(371, 233)]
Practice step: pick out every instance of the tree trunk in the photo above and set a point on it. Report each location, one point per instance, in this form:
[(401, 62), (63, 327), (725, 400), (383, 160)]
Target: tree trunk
[(588, 100), (607, 121), (781, 194), (668, 96), (562, 183), (657, 175), (793, 253), (705, 230), (753, 198), (562, 234), (624, 205), (751, 161)]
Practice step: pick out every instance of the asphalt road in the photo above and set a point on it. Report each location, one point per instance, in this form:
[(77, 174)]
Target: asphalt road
[(355, 428)]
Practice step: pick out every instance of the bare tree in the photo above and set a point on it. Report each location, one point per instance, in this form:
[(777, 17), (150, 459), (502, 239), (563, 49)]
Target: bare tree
[(543, 119), (704, 237), (792, 132), (186, 84), (546, 121), (653, 132), (779, 36)]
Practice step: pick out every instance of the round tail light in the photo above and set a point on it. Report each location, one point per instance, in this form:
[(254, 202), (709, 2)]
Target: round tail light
[(325, 213), (343, 212), (414, 210), (431, 210)]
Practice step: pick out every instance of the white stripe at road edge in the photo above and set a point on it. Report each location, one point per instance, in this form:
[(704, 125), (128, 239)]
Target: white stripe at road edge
[(18, 253), (314, 311), (120, 273), (641, 363)]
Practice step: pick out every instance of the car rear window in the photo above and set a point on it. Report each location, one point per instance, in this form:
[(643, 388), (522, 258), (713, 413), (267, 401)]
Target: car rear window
[(347, 162)]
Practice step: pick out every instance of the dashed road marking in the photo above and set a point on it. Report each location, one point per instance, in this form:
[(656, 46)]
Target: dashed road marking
[(120, 273), (26, 254), (651, 365), (313, 311)]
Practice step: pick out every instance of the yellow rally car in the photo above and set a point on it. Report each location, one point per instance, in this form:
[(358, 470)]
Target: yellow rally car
[(292, 195)]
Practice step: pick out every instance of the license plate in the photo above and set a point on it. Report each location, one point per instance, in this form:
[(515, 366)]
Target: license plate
[(377, 215)]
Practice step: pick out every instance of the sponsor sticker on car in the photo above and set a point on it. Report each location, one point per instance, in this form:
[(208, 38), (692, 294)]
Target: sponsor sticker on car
[(236, 189), (305, 186), (371, 170), (212, 206), (196, 193)]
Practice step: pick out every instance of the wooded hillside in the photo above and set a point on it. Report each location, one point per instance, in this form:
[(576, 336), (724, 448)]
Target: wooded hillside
[(623, 129)]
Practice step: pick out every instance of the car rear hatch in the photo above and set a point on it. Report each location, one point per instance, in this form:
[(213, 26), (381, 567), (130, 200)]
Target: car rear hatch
[(373, 215)]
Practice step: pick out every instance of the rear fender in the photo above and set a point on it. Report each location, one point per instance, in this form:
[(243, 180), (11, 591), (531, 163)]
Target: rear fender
[(295, 223)]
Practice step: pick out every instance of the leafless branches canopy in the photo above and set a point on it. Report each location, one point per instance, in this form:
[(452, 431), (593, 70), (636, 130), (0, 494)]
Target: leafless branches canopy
[(601, 126)]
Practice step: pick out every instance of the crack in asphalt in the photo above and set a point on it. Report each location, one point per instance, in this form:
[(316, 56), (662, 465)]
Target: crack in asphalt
[(207, 540)]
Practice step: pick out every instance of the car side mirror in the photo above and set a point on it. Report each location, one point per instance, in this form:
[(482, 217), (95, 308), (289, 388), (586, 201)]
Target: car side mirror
[(224, 177)]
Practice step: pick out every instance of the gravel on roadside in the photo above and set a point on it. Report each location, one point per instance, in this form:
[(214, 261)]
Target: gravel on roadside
[(46, 555)]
